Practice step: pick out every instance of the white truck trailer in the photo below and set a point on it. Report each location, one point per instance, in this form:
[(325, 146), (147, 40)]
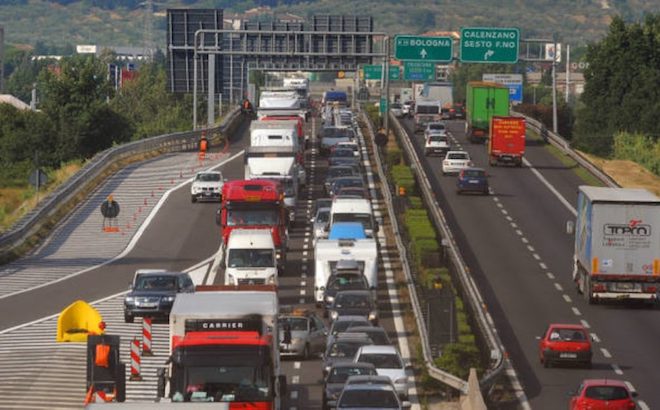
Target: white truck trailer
[(617, 244)]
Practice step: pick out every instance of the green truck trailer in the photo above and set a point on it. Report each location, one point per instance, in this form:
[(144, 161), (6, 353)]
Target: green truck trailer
[(483, 101)]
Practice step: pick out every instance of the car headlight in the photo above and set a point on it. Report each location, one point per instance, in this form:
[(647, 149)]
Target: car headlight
[(230, 279), (271, 279), (334, 315), (129, 299), (278, 255), (326, 369), (373, 315), (329, 299), (401, 380), (168, 299)]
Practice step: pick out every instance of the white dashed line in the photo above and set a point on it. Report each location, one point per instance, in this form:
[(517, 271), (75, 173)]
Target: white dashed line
[(302, 301), (559, 287), (519, 232), (508, 218), (595, 338), (543, 266), (305, 253), (514, 225), (576, 311), (303, 292), (530, 248), (536, 256), (585, 324), (504, 211), (566, 298), (499, 204), (294, 395), (496, 199), (296, 365), (303, 283), (642, 405), (295, 379), (617, 369), (606, 353), (524, 240), (550, 275)]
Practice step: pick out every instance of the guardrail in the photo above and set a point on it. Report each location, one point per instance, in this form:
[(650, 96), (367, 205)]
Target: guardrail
[(483, 320), (50, 206), (565, 147)]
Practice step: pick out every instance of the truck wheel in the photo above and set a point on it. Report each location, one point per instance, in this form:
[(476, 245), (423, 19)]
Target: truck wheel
[(586, 290)]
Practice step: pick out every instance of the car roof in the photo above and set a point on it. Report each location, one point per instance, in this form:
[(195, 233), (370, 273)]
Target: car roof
[(368, 386), (350, 318), (567, 326), (474, 169), (323, 209), (156, 272), (379, 349), (365, 379), (604, 382), (365, 329), (354, 292), (458, 152)]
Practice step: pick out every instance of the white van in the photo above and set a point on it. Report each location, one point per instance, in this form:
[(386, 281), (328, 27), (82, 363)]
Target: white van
[(274, 134), (250, 258), (354, 210)]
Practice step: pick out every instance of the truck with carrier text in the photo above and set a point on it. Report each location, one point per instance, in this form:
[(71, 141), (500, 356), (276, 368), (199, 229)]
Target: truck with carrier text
[(507, 140), (484, 100), (255, 204), (617, 244), (224, 347)]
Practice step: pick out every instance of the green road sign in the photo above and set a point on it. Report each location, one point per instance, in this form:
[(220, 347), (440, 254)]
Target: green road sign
[(374, 72), (383, 105), (420, 48), (418, 71), (489, 45)]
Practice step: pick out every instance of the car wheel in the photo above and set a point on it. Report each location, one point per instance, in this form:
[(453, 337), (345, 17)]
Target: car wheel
[(193, 199), (128, 318)]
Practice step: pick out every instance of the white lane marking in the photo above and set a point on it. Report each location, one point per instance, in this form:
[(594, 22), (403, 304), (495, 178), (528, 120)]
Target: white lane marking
[(296, 365), (499, 204), (504, 211), (558, 287), (567, 298), (508, 218), (617, 369), (303, 292), (595, 338), (524, 240), (294, 395), (303, 283), (543, 265), (576, 311), (197, 275), (642, 405), (295, 379), (550, 187), (302, 301), (496, 199), (606, 353), (630, 386), (514, 225), (550, 275), (536, 256), (519, 232), (530, 248), (136, 237), (585, 324)]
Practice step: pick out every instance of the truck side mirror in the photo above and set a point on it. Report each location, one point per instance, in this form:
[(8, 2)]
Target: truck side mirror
[(162, 380), (570, 227)]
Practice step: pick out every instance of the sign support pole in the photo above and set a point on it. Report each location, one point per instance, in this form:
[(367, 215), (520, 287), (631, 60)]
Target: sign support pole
[(195, 86), (386, 70), (554, 85), (210, 108)]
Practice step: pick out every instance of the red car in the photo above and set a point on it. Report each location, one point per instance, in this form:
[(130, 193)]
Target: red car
[(562, 343), (603, 394)]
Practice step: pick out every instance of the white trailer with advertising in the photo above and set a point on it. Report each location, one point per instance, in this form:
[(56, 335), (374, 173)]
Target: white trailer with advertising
[(617, 244), (281, 102)]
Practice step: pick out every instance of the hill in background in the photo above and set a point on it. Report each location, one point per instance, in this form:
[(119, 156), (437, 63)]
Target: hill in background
[(59, 23)]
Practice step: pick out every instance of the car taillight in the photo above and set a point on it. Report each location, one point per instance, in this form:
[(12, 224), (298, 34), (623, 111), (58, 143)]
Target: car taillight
[(650, 289), (599, 288)]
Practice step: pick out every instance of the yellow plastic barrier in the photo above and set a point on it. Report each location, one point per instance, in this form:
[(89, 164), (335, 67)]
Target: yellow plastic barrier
[(77, 321)]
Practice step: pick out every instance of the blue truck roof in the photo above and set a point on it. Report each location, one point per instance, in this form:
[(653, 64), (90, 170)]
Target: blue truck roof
[(335, 96), (346, 230)]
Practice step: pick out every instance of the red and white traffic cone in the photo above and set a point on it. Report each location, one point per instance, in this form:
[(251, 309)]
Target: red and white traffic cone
[(146, 337), (135, 360)]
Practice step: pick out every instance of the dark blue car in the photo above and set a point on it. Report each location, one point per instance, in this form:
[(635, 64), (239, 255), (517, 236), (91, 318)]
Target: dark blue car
[(472, 180)]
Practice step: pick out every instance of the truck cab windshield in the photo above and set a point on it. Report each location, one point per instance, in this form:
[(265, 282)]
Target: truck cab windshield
[(251, 258), (242, 217)]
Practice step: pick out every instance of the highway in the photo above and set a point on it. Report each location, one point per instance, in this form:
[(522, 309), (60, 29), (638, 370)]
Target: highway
[(515, 245), (37, 373)]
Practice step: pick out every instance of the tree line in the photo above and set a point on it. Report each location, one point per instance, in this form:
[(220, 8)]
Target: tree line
[(80, 114)]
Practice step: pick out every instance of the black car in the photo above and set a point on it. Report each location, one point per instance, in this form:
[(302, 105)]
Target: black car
[(331, 136), (342, 349), (343, 156), (337, 376), (341, 282), (339, 171), (376, 333), (152, 293), (354, 303), (345, 182)]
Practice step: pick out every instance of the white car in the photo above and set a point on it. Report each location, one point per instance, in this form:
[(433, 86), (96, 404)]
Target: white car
[(388, 362), (436, 144), (438, 128), (455, 161), (396, 109), (207, 186), (407, 109)]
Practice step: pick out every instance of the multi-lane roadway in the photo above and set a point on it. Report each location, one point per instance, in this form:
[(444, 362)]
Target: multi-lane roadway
[(515, 244)]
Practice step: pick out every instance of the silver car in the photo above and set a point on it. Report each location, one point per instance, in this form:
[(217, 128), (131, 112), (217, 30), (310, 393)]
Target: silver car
[(320, 224), (302, 334)]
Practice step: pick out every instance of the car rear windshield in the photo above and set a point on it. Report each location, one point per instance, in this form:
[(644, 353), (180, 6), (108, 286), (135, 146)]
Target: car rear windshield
[(437, 138), (344, 349), (335, 172), (382, 361), (208, 177), (457, 156), (606, 393), (437, 127), (473, 173), (341, 374), (348, 283), (342, 152), (568, 335), (373, 399)]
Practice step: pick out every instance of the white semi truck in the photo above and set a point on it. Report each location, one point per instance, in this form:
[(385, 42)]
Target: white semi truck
[(617, 244)]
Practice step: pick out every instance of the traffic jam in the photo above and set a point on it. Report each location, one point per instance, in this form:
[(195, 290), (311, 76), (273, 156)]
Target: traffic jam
[(227, 340)]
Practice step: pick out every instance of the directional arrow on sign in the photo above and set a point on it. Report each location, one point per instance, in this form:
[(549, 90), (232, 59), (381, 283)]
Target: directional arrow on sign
[(489, 53), (423, 53)]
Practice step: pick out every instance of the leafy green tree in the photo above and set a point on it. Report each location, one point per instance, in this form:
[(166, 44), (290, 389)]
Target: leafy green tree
[(622, 90), (74, 98), (147, 104)]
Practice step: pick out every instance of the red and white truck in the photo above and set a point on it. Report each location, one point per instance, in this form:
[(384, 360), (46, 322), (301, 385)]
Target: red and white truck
[(224, 347), (507, 140), (255, 204), (617, 244)]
